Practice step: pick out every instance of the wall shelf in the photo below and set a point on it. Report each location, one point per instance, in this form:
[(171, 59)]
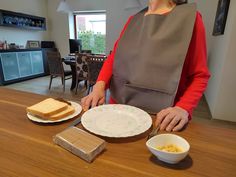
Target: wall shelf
[(22, 21)]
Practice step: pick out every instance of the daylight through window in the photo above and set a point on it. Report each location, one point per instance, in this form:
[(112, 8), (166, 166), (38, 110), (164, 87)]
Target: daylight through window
[(90, 27)]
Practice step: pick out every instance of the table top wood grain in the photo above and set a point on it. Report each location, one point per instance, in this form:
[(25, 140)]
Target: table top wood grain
[(27, 149)]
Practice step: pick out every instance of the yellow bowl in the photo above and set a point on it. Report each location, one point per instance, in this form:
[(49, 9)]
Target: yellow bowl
[(167, 139)]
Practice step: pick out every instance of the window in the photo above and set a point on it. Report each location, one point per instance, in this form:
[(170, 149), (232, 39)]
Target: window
[(90, 27)]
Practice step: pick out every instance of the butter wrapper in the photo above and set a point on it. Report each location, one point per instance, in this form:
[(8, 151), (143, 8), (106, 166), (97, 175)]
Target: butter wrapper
[(80, 143)]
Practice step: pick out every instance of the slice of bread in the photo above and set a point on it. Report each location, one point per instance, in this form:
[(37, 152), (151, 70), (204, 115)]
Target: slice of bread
[(70, 110), (47, 108)]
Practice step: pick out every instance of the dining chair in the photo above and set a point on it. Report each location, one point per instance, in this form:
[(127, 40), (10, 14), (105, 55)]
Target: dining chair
[(81, 69), (86, 51), (56, 68), (95, 63)]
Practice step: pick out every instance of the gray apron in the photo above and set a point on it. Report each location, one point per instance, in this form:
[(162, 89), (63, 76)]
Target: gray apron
[(150, 57)]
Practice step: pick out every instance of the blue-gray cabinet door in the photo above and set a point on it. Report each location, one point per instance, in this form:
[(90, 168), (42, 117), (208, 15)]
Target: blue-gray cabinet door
[(37, 62), (25, 65), (10, 66)]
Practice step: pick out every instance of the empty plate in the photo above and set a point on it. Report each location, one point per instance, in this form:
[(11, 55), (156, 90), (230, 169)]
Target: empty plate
[(116, 121)]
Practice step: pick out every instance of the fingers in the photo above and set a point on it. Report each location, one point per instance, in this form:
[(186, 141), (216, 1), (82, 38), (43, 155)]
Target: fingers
[(83, 101), (180, 125), (87, 103), (101, 101), (173, 123), (95, 101), (172, 119), (166, 121), (91, 101), (161, 115)]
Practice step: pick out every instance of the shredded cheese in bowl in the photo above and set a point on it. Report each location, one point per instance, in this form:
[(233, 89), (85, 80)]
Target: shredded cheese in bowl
[(170, 148)]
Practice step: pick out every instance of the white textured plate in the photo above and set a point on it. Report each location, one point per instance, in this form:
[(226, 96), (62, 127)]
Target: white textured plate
[(77, 107), (116, 121)]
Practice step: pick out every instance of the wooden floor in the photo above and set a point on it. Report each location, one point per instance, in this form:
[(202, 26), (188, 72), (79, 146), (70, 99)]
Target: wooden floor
[(40, 86)]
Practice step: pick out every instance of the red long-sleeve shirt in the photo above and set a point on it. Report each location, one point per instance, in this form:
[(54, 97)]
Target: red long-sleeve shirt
[(195, 74)]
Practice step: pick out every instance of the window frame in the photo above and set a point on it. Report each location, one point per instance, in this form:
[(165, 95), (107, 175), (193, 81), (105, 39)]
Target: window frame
[(85, 13)]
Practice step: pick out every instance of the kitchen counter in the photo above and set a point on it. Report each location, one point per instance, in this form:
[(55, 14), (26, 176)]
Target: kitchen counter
[(20, 50)]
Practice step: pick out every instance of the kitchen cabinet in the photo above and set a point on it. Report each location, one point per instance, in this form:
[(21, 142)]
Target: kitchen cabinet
[(37, 62), (25, 64), (20, 65), (10, 66)]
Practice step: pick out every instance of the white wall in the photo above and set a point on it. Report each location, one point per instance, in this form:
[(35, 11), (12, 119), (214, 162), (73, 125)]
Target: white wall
[(32, 7), (226, 106), (224, 54), (116, 18), (59, 27), (220, 94), (208, 11)]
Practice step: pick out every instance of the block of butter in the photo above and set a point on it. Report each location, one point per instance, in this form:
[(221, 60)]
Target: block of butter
[(80, 143)]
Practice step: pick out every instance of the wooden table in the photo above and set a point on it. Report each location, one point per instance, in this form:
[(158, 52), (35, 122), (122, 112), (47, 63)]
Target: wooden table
[(27, 149)]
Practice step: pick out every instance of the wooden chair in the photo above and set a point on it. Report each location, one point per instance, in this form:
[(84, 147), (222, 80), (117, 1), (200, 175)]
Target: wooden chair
[(95, 63), (56, 68), (81, 69)]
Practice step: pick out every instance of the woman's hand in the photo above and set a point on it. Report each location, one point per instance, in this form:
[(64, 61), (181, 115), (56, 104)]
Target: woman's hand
[(96, 97), (172, 119)]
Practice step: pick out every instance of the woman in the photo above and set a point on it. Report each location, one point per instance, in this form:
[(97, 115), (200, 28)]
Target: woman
[(158, 64)]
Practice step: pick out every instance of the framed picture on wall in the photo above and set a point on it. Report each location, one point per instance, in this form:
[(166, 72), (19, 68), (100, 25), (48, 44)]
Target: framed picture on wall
[(33, 44), (221, 17)]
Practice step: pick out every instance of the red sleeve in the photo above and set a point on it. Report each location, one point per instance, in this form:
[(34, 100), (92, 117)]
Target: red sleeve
[(195, 73), (106, 71)]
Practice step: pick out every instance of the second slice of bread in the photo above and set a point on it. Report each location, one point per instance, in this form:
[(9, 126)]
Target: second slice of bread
[(47, 108), (70, 110)]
